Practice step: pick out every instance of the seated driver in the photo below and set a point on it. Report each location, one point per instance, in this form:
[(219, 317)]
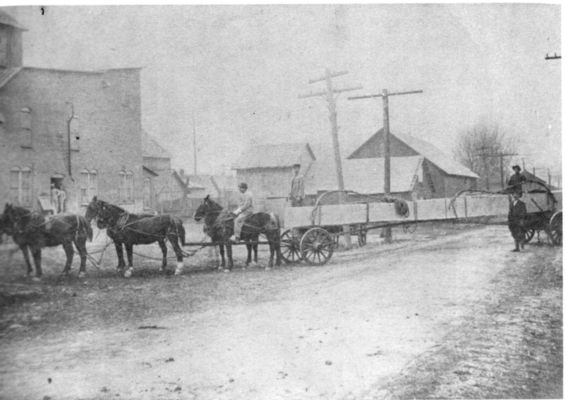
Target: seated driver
[(245, 209)]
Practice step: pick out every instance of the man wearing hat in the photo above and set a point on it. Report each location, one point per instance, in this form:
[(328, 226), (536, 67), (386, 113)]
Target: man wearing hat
[(515, 184), (297, 194), (244, 210), (516, 219)]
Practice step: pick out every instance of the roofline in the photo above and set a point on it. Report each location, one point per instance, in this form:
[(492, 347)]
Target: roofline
[(150, 170), (76, 71)]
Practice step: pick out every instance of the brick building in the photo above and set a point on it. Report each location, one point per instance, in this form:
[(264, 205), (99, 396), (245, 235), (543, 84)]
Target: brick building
[(72, 129)]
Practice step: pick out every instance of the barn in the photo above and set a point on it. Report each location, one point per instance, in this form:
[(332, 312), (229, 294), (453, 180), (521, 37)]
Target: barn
[(441, 175)]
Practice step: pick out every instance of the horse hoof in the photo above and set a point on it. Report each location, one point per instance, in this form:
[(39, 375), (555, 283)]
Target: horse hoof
[(128, 273), (267, 268), (82, 274), (226, 270), (36, 278)]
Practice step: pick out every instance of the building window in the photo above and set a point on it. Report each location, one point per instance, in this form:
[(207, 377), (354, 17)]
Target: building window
[(20, 186), (88, 185), (25, 128), (126, 186)]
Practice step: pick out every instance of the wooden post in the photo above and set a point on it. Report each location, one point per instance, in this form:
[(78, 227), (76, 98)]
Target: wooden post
[(387, 151), (330, 92)]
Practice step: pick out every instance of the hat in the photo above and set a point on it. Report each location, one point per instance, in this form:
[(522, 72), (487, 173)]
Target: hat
[(243, 185), (516, 167)]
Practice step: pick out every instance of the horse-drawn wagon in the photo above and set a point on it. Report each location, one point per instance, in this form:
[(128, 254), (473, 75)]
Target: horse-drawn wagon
[(310, 232)]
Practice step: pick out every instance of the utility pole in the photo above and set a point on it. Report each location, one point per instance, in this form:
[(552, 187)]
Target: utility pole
[(69, 152), (194, 146), (387, 145), (330, 93)]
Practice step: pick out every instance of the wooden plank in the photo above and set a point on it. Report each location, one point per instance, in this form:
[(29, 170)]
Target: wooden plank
[(484, 206), (432, 209), (381, 212), (297, 216), (456, 208), (343, 214)]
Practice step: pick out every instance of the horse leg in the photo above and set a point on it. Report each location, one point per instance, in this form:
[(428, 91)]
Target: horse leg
[(80, 244), (25, 251), (255, 251), (163, 247), (178, 252), (249, 248), (271, 251), (120, 254), (129, 253), (223, 263), (229, 254), (36, 253), (69, 252)]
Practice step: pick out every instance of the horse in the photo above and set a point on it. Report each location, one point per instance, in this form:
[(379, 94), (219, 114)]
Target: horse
[(31, 231), (219, 225), (130, 229)]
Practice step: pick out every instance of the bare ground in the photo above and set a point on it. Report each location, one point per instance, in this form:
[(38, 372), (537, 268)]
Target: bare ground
[(443, 313)]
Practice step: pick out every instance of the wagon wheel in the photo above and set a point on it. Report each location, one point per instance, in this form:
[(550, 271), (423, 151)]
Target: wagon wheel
[(362, 237), (317, 246), (529, 233), (290, 247), (555, 229)]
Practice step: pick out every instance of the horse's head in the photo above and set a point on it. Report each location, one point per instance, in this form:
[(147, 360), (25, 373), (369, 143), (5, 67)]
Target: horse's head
[(92, 209), (207, 207), (14, 218)]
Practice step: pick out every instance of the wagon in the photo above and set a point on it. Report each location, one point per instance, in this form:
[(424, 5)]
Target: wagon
[(310, 233)]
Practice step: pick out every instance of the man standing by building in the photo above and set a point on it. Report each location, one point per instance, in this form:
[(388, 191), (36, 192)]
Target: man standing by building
[(515, 184), (244, 210), (297, 194), (516, 219)]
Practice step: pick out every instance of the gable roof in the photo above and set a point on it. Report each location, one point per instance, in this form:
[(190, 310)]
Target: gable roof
[(363, 175), (7, 19), (272, 156), (430, 152), (6, 74), (151, 148)]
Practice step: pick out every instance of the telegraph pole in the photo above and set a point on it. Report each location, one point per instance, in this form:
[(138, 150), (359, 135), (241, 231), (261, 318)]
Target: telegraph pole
[(386, 133), (194, 146), (331, 99)]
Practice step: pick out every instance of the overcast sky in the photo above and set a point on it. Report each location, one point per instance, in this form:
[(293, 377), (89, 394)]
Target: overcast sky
[(239, 69)]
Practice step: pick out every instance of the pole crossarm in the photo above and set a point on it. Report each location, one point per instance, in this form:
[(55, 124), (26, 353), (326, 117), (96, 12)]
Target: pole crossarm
[(369, 96), (325, 93)]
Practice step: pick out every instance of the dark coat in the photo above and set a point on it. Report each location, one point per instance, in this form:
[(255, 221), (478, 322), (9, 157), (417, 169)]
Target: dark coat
[(515, 183), (516, 219)]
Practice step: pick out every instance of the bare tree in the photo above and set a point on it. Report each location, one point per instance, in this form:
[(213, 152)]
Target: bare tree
[(485, 149)]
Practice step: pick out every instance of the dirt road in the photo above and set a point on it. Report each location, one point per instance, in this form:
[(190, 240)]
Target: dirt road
[(452, 317)]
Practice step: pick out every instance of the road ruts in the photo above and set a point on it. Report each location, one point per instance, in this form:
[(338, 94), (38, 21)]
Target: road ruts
[(509, 346)]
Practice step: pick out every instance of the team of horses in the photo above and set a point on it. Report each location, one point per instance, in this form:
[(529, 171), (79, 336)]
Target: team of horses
[(32, 231)]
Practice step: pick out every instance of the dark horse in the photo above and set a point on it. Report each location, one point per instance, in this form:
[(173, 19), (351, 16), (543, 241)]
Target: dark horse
[(219, 225), (31, 230), (128, 229)]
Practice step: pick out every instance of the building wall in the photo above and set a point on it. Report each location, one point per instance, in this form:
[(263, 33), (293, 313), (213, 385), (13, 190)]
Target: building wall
[(267, 182), (11, 46), (109, 129)]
